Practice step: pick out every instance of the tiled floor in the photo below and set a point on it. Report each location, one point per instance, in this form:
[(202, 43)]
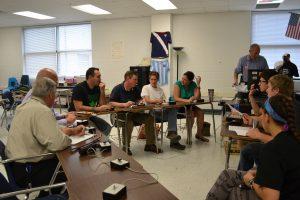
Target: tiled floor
[(188, 174)]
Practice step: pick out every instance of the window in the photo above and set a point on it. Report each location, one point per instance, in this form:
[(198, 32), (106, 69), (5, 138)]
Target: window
[(268, 30), (66, 49)]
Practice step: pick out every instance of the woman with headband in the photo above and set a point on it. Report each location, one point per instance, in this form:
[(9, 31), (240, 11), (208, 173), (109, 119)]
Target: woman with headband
[(278, 175)]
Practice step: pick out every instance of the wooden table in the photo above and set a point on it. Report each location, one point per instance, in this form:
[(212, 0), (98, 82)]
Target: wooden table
[(87, 182), (232, 135), (160, 107)]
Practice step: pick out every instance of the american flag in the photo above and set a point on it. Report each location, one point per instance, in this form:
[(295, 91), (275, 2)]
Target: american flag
[(293, 29)]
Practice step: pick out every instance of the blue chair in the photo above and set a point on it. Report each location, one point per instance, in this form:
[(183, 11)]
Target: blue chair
[(12, 83)]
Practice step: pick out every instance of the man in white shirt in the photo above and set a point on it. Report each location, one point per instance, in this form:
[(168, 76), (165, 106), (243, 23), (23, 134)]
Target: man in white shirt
[(153, 94)]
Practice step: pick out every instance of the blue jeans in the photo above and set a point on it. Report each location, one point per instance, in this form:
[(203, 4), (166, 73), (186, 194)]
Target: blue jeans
[(250, 155), (169, 115)]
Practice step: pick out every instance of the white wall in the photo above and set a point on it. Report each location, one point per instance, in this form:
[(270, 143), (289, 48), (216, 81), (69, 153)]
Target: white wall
[(212, 44), (132, 35), (10, 53)]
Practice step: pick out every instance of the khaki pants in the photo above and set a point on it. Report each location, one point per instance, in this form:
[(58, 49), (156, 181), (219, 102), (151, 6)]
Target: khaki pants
[(134, 119)]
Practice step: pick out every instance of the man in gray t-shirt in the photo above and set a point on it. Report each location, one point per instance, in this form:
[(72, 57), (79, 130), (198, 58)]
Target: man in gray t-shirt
[(252, 61)]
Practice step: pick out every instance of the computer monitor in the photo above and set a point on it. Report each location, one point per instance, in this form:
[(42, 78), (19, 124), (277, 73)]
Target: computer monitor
[(297, 85), (253, 77)]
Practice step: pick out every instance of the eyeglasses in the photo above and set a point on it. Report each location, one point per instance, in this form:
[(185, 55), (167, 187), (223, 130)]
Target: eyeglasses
[(262, 81)]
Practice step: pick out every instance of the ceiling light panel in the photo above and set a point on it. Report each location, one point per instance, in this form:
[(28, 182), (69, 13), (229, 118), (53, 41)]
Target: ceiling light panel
[(33, 15), (160, 4), (91, 9)]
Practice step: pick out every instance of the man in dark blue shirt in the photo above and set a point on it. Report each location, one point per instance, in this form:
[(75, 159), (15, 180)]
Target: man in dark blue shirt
[(125, 95)]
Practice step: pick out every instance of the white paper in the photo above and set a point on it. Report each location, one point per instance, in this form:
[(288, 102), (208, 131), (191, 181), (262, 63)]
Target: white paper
[(234, 110), (77, 139), (240, 130)]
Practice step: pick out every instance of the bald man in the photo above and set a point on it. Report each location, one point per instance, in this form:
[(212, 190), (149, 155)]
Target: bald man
[(63, 120)]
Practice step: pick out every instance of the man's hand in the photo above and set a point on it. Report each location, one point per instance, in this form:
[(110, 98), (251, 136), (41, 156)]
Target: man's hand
[(234, 83), (70, 117), (128, 104), (79, 130), (247, 119), (102, 86), (252, 90), (159, 101), (249, 176), (254, 133)]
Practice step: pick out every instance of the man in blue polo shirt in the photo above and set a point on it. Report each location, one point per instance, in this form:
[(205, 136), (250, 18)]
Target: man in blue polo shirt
[(125, 95), (252, 61)]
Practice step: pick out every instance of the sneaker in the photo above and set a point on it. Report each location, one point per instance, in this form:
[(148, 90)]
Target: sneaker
[(177, 146), (152, 148), (128, 151)]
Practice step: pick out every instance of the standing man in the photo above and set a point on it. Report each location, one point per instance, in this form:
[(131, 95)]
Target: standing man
[(288, 68), (89, 96), (125, 95), (252, 61), (153, 94)]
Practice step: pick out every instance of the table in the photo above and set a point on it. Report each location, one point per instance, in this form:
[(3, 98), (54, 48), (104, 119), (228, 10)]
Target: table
[(161, 107), (84, 182), (232, 135)]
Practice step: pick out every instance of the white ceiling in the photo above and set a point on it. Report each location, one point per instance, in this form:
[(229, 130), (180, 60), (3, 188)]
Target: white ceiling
[(61, 9)]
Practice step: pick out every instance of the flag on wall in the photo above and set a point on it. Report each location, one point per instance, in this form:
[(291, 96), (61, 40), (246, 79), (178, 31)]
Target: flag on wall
[(293, 29)]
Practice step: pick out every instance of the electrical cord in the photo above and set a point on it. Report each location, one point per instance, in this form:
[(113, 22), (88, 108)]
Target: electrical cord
[(137, 179)]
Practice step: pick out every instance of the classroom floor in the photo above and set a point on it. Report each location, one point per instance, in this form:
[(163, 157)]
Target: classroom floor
[(188, 174)]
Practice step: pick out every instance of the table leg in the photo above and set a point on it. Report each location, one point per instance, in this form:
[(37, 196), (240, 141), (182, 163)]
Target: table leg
[(125, 129), (162, 128), (188, 125), (155, 131), (118, 128), (213, 118), (228, 153)]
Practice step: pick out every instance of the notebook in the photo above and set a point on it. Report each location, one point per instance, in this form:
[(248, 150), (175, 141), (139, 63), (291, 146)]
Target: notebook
[(240, 130)]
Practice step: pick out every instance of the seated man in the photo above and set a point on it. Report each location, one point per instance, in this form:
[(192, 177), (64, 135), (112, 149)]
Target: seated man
[(34, 131), (89, 96), (125, 95), (63, 120), (153, 94)]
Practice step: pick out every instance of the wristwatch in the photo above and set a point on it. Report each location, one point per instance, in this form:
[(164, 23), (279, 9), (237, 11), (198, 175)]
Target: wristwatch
[(250, 183)]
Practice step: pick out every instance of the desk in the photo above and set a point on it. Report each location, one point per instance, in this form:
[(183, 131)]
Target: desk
[(232, 135), (88, 184)]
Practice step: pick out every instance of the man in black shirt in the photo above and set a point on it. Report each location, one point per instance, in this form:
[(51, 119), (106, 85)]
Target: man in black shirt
[(125, 95), (89, 96), (288, 68)]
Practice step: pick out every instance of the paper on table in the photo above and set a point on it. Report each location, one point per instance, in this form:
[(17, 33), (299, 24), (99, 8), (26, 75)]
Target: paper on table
[(240, 130), (77, 139)]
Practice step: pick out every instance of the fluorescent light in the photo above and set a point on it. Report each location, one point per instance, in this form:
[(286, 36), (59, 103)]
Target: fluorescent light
[(33, 15), (88, 8), (269, 1), (160, 4)]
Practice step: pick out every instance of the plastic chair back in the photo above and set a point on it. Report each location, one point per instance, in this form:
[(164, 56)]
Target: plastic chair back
[(12, 83)]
